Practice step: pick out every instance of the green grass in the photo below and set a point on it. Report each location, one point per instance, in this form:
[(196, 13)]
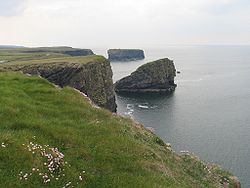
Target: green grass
[(113, 151), (51, 49), (36, 63), (74, 60), (58, 49), (7, 57), (26, 54)]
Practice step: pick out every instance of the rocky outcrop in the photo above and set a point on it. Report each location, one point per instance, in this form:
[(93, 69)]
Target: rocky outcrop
[(125, 54), (93, 77), (153, 77), (234, 182), (80, 52)]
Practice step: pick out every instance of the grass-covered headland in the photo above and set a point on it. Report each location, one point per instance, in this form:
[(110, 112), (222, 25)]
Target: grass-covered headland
[(23, 54), (53, 137), (90, 74)]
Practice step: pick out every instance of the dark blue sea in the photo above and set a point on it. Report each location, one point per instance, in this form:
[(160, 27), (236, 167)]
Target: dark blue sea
[(209, 113)]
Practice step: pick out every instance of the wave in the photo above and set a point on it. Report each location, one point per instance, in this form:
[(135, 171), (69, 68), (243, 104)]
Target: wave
[(197, 80)]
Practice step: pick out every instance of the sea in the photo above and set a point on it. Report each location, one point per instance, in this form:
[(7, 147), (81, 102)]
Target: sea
[(208, 114)]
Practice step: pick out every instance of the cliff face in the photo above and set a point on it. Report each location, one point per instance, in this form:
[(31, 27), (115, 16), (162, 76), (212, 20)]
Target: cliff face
[(93, 77), (80, 52), (157, 76), (125, 54)]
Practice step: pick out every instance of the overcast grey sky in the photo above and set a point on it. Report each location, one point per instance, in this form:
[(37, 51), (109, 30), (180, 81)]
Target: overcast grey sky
[(124, 23)]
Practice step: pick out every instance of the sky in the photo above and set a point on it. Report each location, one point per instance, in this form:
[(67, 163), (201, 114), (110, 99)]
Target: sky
[(124, 23)]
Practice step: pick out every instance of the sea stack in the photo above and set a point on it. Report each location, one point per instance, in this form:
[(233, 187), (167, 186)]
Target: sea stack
[(125, 54), (154, 77)]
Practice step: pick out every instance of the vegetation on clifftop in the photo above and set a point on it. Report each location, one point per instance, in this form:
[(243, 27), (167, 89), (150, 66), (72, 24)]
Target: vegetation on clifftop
[(24, 54), (89, 74), (57, 60), (88, 147)]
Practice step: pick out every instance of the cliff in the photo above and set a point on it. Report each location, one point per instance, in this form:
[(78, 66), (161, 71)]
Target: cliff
[(157, 76), (23, 54), (125, 54), (53, 137), (62, 50), (91, 75)]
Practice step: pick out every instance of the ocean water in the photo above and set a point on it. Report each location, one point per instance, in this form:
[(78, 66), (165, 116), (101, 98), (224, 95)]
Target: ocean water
[(209, 113)]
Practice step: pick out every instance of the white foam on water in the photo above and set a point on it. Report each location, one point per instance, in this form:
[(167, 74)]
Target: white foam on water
[(143, 106)]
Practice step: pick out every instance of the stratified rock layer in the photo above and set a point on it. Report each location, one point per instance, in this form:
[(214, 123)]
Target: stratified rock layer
[(125, 54), (94, 77), (153, 77)]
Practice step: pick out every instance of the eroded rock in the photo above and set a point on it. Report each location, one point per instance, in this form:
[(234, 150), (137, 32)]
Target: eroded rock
[(153, 77)]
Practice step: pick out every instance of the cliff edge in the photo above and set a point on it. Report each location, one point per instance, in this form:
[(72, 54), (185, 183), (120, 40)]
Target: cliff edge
[(91, 75), (154, 77)]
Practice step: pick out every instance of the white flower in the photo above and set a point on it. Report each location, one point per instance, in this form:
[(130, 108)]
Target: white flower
[(80, 178)]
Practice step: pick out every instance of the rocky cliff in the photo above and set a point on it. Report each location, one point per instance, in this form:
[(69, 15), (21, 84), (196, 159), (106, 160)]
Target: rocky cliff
[(157, 76), (91, 75), (125, 54)]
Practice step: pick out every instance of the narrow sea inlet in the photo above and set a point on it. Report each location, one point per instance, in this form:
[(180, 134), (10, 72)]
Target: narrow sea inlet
[(208, 114)]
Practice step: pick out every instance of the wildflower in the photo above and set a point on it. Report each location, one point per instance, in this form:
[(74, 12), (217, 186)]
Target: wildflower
[(26, 175), (68, 184), (3, 145)]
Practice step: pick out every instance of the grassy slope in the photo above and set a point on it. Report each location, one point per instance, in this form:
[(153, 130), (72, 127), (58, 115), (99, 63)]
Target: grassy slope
[(19, 54), (77, 60), (114, 151), (35, 63)]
